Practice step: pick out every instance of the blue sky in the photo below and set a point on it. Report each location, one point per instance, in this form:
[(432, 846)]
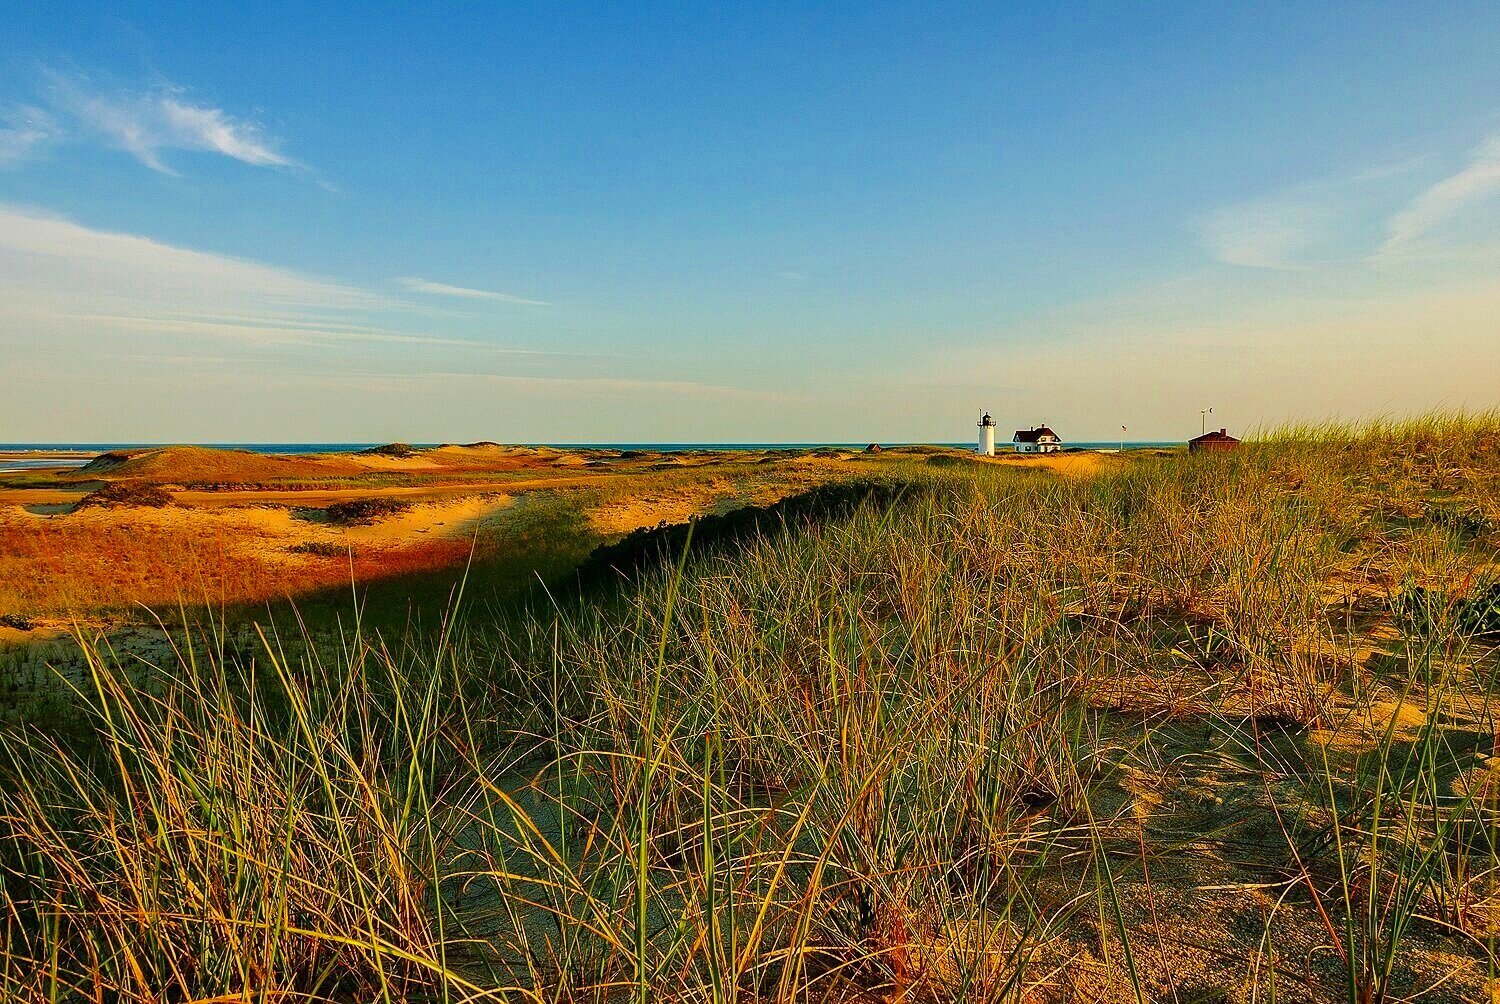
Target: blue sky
[(735, 223)]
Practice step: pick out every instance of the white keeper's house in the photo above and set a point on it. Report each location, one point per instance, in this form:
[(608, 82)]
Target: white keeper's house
[(1037, 440)]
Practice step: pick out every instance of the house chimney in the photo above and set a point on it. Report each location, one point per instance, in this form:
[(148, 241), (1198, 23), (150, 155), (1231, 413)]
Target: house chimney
[(1223, 432)]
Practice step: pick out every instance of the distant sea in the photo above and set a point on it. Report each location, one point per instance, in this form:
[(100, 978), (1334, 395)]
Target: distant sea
[(90, 449)]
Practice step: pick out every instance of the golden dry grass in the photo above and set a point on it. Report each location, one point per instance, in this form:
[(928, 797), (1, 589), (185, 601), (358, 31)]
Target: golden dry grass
[(91, 563), (242, 542)]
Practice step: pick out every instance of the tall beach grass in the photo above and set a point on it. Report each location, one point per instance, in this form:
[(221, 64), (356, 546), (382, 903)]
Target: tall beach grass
[(1194, 728)]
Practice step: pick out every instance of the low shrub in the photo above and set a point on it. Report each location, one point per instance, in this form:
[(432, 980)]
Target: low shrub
[(320, 549), (360, 511), (122, 494), (1430, 611), (646, 547), (391, 450), (1467, 522)]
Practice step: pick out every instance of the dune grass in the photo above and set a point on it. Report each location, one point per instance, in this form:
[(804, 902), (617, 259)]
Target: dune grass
[(1207, 728)]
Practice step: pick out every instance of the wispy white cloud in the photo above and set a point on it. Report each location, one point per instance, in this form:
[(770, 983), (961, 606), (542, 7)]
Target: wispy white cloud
[(1264, 233), (146, 124), (212, 129), (41, 251), (1441, 202), (417, 285), (1359, 218), (65, 283), (23, 131), (270, 330), (62, 280)]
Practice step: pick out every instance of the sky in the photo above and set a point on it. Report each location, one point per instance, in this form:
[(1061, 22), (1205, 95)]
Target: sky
[(741, 223)]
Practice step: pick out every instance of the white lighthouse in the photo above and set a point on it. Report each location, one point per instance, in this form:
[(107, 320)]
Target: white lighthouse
[(987, 435)]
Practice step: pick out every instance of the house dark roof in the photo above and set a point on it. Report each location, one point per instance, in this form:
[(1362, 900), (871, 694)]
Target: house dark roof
[(1220, 436), (1034, 435)]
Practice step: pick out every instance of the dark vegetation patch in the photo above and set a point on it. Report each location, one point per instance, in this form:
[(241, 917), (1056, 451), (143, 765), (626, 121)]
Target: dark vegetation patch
[(121, 494), (391, 450), (50, 479), (108, 461), (18, 622), (1467, 522), (1428, 611), (918, 449), (356, 512), (319, 548), (642, 549)]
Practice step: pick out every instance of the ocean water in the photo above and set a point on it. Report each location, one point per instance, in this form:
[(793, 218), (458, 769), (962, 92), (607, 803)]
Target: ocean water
[(7, 466)]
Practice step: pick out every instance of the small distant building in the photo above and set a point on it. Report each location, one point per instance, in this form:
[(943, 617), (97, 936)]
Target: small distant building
[(986, 436), (1213, 441), (1037, 440)]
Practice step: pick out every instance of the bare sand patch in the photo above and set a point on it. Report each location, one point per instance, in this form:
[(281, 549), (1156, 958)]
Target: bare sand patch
[(1363, 729), (680, 503), (455, 518), (621, 517), (1066, 464)]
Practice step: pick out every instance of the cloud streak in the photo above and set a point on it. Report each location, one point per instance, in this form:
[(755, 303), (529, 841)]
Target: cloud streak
[(1266, 233), (148, 124), (1477, 181), (272, 330), (1364, 219), (40, 251), (69, 292), (62, 280), (418, 285)]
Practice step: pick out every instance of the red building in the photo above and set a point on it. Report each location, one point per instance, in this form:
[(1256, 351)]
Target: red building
[(1220, 440)]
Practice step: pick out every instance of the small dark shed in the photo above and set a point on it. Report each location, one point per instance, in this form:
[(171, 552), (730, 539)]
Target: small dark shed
[(1220, 440)]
